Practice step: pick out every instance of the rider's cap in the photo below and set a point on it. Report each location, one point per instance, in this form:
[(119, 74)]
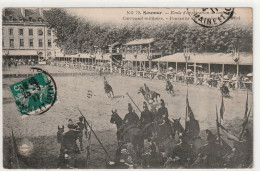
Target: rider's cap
[(71, 126)]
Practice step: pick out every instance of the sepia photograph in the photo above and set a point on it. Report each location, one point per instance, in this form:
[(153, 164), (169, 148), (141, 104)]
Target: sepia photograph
[(127, 88)]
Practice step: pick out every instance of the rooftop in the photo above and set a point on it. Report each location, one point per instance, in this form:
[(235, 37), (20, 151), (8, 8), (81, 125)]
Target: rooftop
[(140, 42), (212, 58)]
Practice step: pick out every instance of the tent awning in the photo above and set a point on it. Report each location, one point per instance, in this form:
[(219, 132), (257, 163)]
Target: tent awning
[(209, 58)]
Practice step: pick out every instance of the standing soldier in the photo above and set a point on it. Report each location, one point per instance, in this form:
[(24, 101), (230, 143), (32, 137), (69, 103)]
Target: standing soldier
[(80, 127)]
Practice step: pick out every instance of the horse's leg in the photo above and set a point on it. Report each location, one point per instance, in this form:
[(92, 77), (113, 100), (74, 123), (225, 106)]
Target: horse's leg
[(112, 92)]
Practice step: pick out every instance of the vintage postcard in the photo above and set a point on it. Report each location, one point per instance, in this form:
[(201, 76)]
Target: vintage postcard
[(119, 88)]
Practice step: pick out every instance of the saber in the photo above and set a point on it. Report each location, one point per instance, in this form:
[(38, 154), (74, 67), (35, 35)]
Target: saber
[(133, 102)]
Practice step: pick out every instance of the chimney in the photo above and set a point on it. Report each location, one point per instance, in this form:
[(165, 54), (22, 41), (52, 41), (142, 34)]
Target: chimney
[(3, 10), (41, 12), (23, 12)]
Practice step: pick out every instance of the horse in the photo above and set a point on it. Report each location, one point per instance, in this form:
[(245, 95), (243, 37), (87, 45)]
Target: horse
[(196, 143), (169, 87), (116, 119), (69, 156), (146, 96), (162, 136), (224, 91), (133, 135), (153, 95), (108, 90)]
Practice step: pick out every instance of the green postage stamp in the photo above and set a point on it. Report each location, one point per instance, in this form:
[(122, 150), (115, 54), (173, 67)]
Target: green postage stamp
[(34, 95)]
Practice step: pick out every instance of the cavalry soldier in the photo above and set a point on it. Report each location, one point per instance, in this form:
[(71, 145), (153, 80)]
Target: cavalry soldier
[(105, 80), (146, 119), (146, 88), (131, 120), (163, 111)]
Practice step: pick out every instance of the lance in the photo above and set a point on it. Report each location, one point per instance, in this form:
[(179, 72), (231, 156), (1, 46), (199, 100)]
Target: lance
[(95, 135), (133, 102)]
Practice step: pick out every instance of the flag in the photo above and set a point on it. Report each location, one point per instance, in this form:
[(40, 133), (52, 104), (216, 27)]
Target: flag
[(187, 100), (189, 111), (222, 108), (225, 131), (14, 151), (245, 116)]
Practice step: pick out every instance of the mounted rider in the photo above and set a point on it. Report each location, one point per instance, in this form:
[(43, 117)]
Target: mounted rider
[(146, 88), (146, 119), (163, 113), (130, 120), (105, 81)]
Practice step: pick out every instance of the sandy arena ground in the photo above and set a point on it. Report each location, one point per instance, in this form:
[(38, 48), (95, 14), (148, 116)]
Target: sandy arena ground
[(72, 93)]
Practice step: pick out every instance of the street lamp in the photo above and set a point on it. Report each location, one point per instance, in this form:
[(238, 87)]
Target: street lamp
[(236, 58), (186, 53)]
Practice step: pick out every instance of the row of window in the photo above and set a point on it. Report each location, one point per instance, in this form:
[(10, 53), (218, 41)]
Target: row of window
[(40, 43), (21, 32), (11, 19)]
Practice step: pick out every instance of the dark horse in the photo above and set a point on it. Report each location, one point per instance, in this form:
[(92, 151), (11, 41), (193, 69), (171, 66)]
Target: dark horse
[(153, 95), (68, 152), (108, 90), (224, 91), (169, 87), (133, 135)]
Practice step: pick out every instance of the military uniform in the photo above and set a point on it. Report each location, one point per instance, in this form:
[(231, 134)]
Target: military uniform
[(80, 128), (131, 120)]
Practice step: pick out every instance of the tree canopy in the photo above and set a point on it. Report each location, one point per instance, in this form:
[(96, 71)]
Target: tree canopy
[(74, 35)]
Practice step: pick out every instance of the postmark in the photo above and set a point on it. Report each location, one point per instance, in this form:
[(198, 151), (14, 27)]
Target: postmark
[(210, 17), (25, 147), (35, 95)]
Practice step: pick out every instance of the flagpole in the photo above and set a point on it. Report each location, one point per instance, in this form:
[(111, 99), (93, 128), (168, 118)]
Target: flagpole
[(133, 102), (217, 127), (186, 114), (245, 123), (246, 110), (14, 149)]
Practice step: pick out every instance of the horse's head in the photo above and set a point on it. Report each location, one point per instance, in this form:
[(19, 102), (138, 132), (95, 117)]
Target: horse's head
[(176, 125), (141, 90), (59, 133), (113, 116), (116, 119)]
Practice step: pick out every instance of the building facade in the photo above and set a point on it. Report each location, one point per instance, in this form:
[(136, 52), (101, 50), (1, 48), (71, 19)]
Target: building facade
[(25, 34)]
